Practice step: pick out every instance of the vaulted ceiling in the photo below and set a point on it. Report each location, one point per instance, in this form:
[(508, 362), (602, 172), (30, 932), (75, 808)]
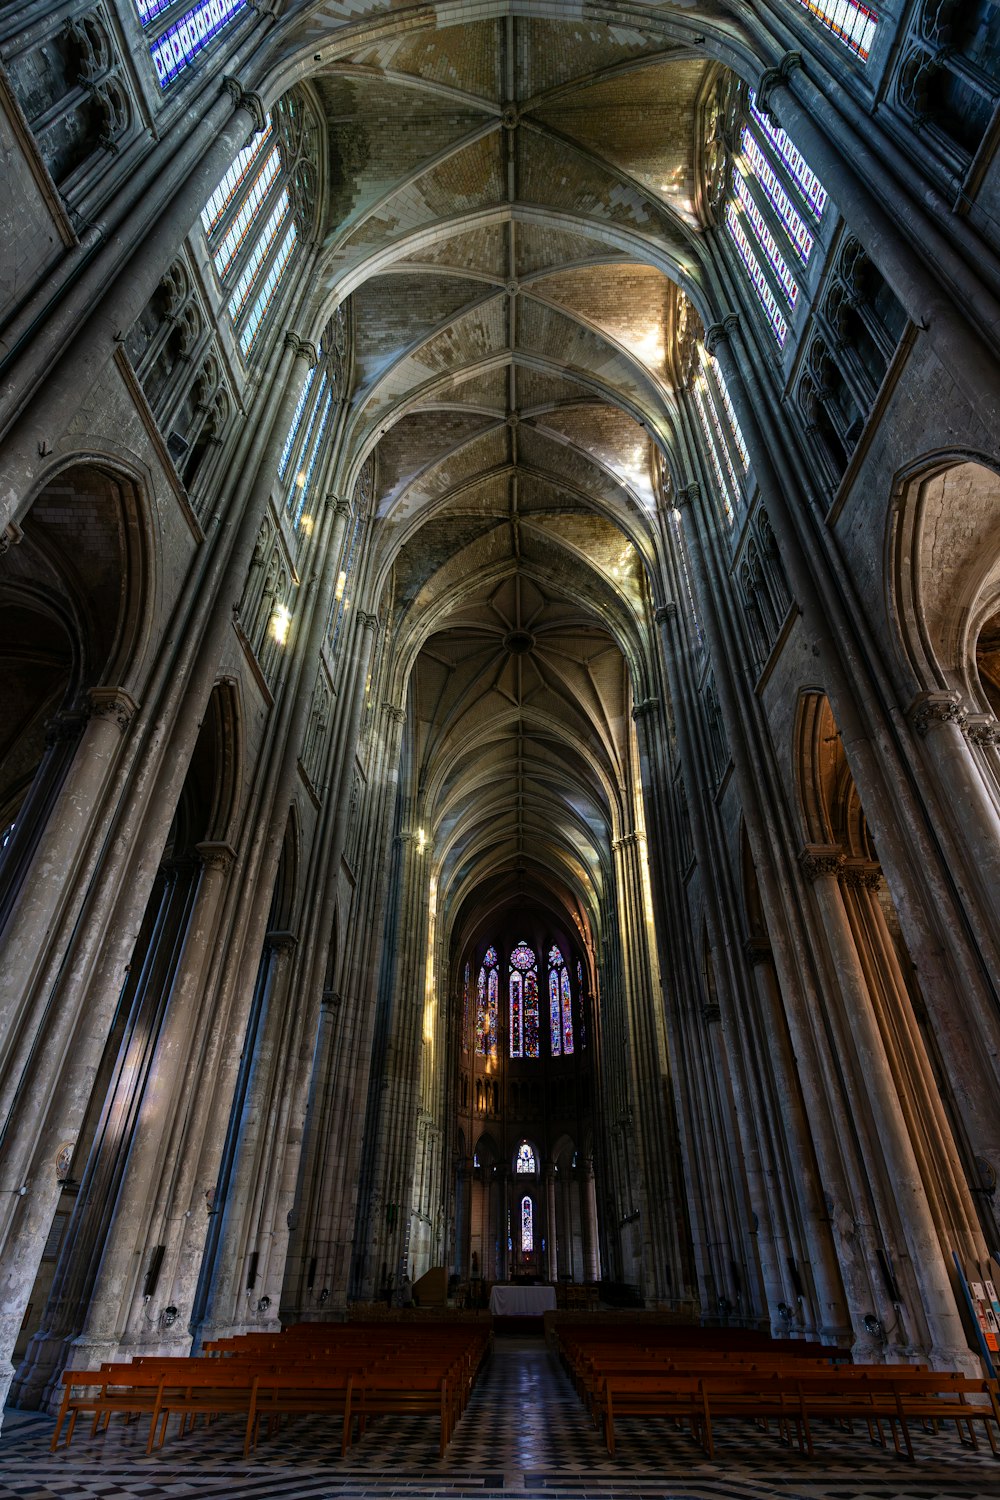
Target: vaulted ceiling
[(513, 202)]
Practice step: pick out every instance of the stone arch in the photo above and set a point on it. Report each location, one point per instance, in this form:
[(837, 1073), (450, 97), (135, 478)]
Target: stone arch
[(74, 605), (943, 561)]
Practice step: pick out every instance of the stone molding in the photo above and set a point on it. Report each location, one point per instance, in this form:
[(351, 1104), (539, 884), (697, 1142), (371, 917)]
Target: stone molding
[(931, 709), (720, 332), (216, 855), (820, 861), (774, 78), (246, 99), (860, 875), (983, 730), (112, 703), (281, 940), (302, 348)]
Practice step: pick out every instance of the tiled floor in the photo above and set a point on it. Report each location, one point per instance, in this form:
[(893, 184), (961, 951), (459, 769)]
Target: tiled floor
[(524, 1433)]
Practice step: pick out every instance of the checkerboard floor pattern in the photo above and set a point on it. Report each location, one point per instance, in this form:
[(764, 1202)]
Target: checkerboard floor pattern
[(524, 1433)]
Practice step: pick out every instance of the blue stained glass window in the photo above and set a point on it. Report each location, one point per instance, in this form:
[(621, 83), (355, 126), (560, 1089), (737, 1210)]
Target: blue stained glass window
[(265, 296), (296, 422), (805, 178), (180, 44), (783, 206), (567, 1012), (465, 1011), (525, 1164), (765, 238), (300, 481), (758, 279), (487, 997), (317, 443), (555, 1022), (523, 1002), (527, 1226), (245, 285)]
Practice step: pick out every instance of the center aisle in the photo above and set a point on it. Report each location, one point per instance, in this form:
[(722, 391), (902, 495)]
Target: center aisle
[(524, 1433)]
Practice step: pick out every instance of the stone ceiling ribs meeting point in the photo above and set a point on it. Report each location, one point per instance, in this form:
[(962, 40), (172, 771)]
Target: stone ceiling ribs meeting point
[(513, 210)]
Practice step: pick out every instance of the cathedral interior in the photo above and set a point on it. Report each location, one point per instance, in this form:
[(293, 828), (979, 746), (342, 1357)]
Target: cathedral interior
[(499, 669)]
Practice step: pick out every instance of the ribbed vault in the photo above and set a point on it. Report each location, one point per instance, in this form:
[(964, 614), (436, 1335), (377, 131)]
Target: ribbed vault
[(514, 233)]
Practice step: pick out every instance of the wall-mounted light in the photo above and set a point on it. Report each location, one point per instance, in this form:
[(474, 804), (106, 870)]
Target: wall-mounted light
[(168, 1317), (263, 1304), (873, 1325)]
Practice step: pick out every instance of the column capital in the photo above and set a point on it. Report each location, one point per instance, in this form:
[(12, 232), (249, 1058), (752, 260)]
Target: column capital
[(929, 710), (773, 78), (720, 332), (281, 941), (756, 950), (819, 861), (11, 536), (687, 494), (395, 713), (627, 840), (301, 348), (860, 875), (983, 730), (710, 1014), (112, 703), (339, 504), (331, 1000), (66, 725), (645, 708), (368, 622), (666, 612), (246, 99), (216, 855)]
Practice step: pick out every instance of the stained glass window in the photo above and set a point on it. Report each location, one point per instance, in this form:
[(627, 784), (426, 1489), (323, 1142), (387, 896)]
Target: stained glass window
[(804, 177), (758, 279), (215, 209), (296, 422), (178, 46), (527, 1226), (488, 992), (525, 1164), (852, 24), (783, 206), (248, 276), (523, 1002), (560, 1005), (229, 246), (765, 238)]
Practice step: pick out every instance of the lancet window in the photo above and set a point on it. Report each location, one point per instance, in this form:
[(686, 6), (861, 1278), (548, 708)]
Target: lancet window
[(523, 989), (852, 24), (724, 444), (488, 1006), (769, 199), (527, 1225), (560, 1006), (178, 36), (253, 220)]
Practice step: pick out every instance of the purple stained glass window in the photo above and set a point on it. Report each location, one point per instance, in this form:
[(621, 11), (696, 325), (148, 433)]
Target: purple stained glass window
[(487, 995), (567, 1012), (555, 1025), (527, 1225), (180, 44), (523, 1002)]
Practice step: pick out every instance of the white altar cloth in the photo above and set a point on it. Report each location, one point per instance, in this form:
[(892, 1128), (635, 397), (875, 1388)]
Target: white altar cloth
[(521, 1301)]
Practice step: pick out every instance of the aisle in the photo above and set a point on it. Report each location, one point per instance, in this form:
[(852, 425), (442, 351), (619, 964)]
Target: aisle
[(524, 1433)]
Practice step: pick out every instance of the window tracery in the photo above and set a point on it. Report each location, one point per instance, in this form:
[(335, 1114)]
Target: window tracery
[(487, 1006), (523, 991), (949, 78), (560, 1006)]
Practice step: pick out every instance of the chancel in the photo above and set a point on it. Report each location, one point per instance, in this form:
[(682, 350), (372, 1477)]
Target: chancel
[(499, 725)]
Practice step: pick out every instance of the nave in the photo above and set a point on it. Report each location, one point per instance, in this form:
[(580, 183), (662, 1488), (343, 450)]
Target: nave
[(524, 1433)]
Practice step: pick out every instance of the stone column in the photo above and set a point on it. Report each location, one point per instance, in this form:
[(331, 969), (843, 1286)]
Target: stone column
[(938, 719), (588, 1211), (116, 1317), (873, 1076), (552, 1237), (68, 826)]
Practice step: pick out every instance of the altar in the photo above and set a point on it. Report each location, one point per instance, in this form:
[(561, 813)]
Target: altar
[(522, 1301)]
